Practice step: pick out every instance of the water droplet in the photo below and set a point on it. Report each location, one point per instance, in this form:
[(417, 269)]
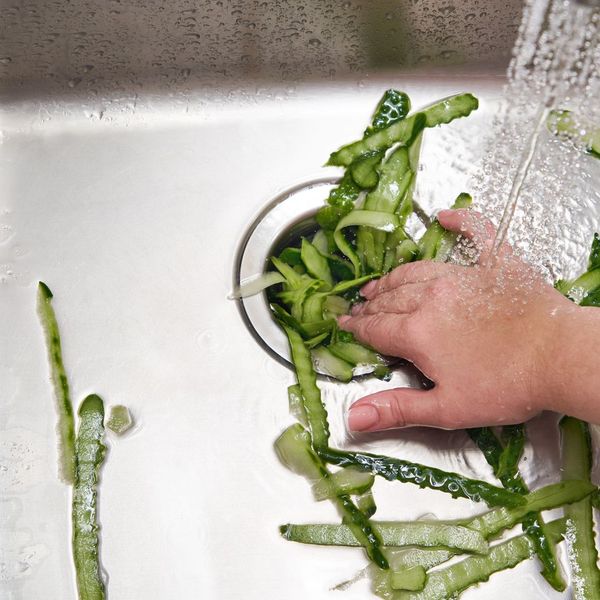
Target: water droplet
[(6, 232), (446, 54)]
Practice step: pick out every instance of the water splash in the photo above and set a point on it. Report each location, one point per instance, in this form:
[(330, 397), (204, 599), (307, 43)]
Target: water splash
[(537, 186)]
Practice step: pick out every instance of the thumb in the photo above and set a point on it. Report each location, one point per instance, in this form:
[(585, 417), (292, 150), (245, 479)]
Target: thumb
[(400, 407)]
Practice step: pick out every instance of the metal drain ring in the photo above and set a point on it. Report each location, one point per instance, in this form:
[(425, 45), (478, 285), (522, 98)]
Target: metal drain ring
[(284, 220), (289, 215)]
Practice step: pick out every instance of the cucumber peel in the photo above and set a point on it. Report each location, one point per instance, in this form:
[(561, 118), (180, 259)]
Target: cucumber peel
[(120, 420), (90, 453), (60, 382)]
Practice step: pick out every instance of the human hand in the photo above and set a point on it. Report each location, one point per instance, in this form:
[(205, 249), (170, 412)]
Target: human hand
[(485, 335)]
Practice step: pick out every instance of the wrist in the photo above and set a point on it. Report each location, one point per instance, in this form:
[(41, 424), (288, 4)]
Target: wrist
[(571, 364)]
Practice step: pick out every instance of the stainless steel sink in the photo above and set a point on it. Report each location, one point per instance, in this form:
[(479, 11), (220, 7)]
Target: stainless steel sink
[(139, 142), (124, 47)]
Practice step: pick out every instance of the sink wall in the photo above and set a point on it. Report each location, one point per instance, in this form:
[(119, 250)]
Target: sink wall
[(95, 46)]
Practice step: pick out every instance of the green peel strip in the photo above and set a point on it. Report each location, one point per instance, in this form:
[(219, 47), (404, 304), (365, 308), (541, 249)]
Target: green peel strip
[(90, 455), (66, 421)]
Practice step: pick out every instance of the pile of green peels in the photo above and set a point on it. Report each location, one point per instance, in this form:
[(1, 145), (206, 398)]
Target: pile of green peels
[(360, 234)]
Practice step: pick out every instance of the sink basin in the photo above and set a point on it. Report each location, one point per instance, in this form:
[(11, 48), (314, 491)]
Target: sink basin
[(139, 142)]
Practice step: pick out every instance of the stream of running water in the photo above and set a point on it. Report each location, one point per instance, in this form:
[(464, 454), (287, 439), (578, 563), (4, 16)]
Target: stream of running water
[(536, 179)]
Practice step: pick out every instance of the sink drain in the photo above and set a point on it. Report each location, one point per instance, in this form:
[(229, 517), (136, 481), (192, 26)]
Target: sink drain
[(281, 223), (288, 217)]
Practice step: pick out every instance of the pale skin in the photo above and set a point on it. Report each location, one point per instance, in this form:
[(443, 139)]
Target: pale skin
[(500, 344)]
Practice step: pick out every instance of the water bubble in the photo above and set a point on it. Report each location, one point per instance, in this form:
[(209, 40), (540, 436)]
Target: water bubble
[(94, 114), (445, 54), (6, 232)]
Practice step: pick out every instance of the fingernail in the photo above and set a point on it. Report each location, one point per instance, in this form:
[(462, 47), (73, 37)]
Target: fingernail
[(362, 417), (343, 318), (368, 288)]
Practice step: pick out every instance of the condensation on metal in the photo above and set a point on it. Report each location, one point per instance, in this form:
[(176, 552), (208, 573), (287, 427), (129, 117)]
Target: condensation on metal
[(97, 46)]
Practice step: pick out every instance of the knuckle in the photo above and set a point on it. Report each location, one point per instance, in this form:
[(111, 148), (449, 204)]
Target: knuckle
[(437, 290), (400, 275), (364, 326), (397, 410), (375, 330), (372, 307), (350, 325), (384, 303), (379, 287), (412, 304), (408, 271), (441, 288)]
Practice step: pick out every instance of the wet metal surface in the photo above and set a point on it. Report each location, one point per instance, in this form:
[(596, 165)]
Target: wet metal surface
[(138, 145)]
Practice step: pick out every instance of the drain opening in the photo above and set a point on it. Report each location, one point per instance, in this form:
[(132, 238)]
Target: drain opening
[(284, 220), (280, 224)]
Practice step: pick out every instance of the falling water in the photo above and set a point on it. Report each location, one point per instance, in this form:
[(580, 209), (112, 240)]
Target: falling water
[(535, 184), (520, 177)]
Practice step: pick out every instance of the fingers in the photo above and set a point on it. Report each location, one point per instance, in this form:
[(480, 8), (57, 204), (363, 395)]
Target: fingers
[(474, 226), (402, 300), (400, 407), (469, 223), (415, 272), (386, 332)]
